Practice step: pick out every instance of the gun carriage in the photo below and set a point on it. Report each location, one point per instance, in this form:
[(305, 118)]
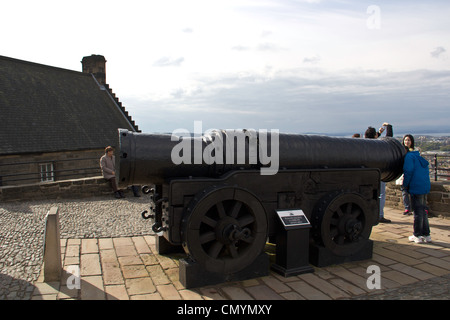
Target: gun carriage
[(222, 210)]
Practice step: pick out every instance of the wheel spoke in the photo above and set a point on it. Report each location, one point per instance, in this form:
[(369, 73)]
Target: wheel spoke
[(339, 212), (215, 249), (349, 208), (221, 210), (207, 237), (356, 213), (210, 222), (236, 208), (245, 220)]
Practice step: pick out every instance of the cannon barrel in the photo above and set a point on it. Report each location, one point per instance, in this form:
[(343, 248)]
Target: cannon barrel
[(155, 158)]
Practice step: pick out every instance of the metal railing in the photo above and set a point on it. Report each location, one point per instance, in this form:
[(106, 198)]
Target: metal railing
[(439, 165), (14, 175)]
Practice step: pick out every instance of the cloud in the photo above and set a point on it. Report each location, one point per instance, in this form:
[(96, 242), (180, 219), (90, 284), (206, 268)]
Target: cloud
[(168, 62), (265, 33), (240, 48), (437, 52), (312, 60), (262, 47), (267, 46), (307, 100)]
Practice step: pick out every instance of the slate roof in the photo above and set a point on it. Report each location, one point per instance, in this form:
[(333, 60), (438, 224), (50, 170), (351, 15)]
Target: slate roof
[(47, 109)]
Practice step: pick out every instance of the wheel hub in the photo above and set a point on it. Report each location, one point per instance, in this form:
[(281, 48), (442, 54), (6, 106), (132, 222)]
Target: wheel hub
[(352, 229), (234, 233)]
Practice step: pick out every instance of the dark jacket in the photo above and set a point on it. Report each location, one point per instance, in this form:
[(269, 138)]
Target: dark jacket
[(416, 177), (389, 131)]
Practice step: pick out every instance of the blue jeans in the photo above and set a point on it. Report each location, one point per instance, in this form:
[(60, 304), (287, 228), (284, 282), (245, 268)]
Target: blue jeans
[(421, 225), (406, 199), (382, 198)]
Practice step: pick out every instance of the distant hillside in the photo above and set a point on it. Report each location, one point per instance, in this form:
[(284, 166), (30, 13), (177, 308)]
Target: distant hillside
[(431, 143)]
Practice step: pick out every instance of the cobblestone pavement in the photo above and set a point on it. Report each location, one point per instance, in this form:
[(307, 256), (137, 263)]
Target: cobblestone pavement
[(22, 233), (114, 249)]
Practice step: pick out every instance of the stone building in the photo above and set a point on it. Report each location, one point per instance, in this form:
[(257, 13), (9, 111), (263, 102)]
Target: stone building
[(55, 123)]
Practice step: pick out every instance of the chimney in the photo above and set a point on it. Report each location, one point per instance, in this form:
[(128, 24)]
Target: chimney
[(95, 64)]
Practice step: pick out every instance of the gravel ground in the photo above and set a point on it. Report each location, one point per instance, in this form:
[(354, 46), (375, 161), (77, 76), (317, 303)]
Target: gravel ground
[(22, 232)]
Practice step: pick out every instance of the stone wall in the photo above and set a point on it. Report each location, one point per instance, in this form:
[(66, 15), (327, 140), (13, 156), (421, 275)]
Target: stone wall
[(438, 198), (25, 168), (66, 189)]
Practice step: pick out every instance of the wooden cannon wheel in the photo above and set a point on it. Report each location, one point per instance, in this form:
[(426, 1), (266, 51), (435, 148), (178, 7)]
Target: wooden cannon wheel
[(224, 229), (342, 223)]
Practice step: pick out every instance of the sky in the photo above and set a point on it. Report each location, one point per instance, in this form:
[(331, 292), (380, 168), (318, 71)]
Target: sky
[(299, 66)]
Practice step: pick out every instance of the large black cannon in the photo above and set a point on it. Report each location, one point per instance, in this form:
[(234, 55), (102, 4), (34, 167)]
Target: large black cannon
[(219, 195)]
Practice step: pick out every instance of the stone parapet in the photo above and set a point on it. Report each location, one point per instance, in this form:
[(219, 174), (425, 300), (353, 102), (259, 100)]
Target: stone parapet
[(438, 198), (65, 189)]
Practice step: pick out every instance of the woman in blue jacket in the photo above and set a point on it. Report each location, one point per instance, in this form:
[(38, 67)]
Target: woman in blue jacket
[(416, 180)]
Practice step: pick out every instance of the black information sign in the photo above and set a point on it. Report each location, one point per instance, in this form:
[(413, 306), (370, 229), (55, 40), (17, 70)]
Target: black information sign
[(292, 218)]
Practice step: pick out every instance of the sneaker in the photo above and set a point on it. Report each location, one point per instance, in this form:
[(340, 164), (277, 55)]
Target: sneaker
[(384, 220), (415, 239), (427, 239), (407, 213)]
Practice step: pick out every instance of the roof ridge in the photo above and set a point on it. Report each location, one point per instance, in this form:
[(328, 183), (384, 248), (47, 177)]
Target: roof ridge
[(121, 107), (41, 65)]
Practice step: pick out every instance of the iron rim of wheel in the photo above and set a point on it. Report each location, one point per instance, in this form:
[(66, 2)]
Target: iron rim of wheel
[(343, 223), (224, 229)]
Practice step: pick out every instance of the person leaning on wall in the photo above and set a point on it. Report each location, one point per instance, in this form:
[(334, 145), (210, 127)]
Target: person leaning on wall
[(108, 164)]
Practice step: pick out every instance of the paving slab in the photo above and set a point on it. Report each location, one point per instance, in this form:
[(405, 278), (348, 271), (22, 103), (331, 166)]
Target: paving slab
[(129, 268)]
